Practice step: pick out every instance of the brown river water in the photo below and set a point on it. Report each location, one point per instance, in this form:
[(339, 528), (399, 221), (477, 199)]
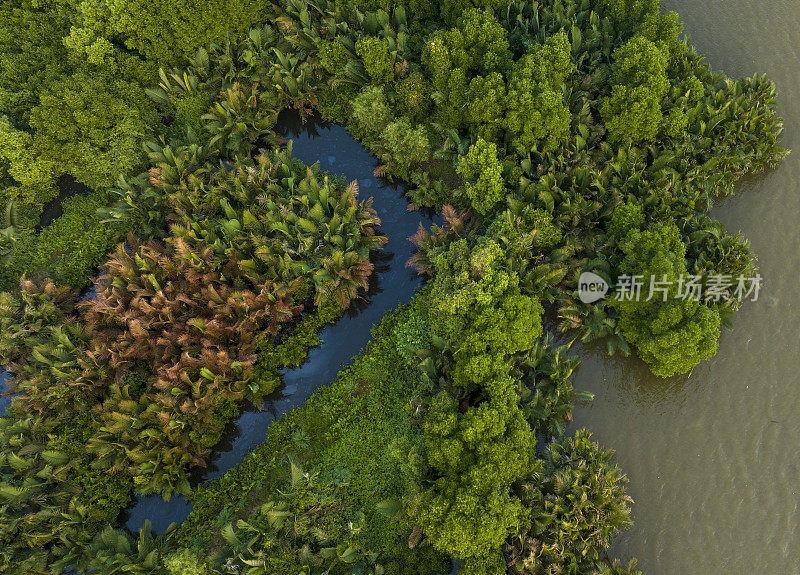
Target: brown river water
[(714, 458)]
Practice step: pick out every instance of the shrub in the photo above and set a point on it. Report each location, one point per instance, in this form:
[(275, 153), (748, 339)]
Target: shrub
[(42, 344), (71, 248), (179, 309), (482, 173), (185, 562), (406, 145), (411, 336), (370, 110), (377, 61), (577, 503)]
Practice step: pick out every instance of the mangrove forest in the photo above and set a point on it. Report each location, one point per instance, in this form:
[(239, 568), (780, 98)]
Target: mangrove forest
[(167, 260)]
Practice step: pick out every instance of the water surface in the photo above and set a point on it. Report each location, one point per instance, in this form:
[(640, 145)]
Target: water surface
[(52, 210), (714, 458), (5, 400)]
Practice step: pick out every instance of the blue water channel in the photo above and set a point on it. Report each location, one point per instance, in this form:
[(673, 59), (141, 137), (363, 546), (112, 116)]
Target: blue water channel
[(391, 284), (5, 400)]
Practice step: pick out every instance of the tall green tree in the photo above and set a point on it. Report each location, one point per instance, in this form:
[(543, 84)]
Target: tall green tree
[(482, 173), (477, 46), (92, 127), (477, 439), (32, 54), (536, 109), (470, 512), (671, 333), (639, 82), (377, 60)]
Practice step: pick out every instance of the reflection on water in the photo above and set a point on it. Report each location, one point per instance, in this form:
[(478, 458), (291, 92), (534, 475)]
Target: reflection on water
[(631, 378), (391, 284)]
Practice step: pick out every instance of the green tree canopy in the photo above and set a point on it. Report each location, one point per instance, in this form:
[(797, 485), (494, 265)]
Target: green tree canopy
[(633, 111), (482, 173), (377, 60), (406, 144), (477, 46), (536, 108), (470, 511), (164, 30), (32, 54), (476, 453), (92, 127), (673, 335)]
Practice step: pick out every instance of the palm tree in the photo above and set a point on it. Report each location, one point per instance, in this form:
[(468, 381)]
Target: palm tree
[(243, 117), (113, 552), (457, 225), (11, 231)]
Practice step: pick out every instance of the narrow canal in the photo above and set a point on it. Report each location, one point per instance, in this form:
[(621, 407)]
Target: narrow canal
[(391, 284)]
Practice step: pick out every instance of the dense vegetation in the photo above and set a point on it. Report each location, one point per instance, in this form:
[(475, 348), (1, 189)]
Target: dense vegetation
[(132, 388), (557, 137)]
